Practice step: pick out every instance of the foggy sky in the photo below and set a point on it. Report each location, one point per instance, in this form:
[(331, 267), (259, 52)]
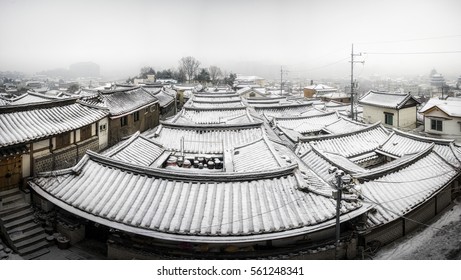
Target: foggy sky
[(311, 39)]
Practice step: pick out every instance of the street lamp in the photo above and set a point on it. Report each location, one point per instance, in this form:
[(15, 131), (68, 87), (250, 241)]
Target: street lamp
[(341, 180)]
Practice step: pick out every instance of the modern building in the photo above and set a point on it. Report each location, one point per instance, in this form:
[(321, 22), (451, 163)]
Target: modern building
[(442, 117), (318, 90)]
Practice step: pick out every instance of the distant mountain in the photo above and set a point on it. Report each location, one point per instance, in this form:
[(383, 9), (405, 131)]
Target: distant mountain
[(84, 69)]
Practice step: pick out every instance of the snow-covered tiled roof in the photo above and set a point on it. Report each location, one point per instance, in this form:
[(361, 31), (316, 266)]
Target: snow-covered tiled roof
[(137, 150), (307, 124), (401, 143), (354, 143), (163, 97), (218, 115), (387, 99), (30, 98), (344, 125), (214, 104), (204, 139), (190, 207), (219, 98), (26, 123), (396, 194), (259, 155), (283, 110), (125, 101), (450, 107)]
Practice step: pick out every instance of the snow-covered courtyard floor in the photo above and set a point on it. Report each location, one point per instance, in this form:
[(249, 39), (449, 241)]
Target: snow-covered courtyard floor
[(440, 241)]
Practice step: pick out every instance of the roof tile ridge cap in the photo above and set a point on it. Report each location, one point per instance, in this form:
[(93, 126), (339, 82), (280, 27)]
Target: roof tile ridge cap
[(86, 104), (335, 136), (352, 121), (325, 114), (250, 117), (423, 138), (19, 97), (220, 126), (187, 107), (404, 163), (272, 150), (123, 145), (184, 175), (388, 139), (454, 167), (453, 150), (323, 155)]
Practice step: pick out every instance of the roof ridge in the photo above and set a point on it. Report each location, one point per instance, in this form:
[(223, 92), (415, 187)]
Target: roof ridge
[(423, 138), (325, 137), (304, 117), (213, 126), (192, 176), (378, 171)]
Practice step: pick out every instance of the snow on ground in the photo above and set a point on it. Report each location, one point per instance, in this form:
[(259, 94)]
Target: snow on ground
[(440, 241)]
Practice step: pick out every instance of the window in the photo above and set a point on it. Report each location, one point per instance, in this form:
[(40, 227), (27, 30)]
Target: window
[(136, 116), (62, 140), (102, 127), (389, 118), (152, 108), (436, 125), (85, 132), (124, 121)]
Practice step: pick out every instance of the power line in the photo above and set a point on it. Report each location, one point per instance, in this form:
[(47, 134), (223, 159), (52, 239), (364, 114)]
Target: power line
[(412, 53), (410, 40)]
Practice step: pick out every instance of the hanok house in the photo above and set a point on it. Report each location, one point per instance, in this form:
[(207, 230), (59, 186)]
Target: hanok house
[(130, 110), (229, 193), (409, 179), (34, 138), (392, 109)]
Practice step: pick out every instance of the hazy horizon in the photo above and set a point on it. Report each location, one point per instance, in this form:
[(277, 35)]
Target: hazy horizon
[(310, 39)]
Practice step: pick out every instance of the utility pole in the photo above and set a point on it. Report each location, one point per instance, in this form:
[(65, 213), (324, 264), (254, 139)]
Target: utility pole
[(281, 79), (352, 80), (340, 180)]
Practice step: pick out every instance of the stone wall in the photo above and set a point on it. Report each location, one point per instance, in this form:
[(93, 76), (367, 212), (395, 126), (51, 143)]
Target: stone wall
[(65, 157)]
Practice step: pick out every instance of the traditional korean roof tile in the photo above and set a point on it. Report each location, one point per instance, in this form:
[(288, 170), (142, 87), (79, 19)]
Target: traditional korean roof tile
[(163, 97), (214, 104), (137, 150), (4, 101), (26, 123), (257, 156), (344, 125), (204, 139), (125, 101), (283, 110), (211, 208), (307, 124), (351, 144), (223, 115), (401, 143), (398, 193), (387, 100), (450, 107), (219, 98), (30, 98)]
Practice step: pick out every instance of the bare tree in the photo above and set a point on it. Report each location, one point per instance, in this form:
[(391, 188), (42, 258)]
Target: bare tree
[(215, 74), (189, 65)]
